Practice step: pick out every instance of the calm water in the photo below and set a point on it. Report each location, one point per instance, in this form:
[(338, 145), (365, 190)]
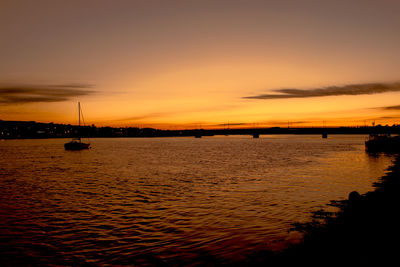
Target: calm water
[(143, 201)]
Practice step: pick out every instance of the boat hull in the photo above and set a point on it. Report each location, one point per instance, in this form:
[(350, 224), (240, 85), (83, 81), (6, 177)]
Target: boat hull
[(389, 144), (76, 146)]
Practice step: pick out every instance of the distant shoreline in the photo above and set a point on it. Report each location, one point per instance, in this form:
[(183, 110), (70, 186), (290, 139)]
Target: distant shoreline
[(35, 130)]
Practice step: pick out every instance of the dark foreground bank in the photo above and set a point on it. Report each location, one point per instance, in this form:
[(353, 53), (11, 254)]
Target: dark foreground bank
[(364, 231)]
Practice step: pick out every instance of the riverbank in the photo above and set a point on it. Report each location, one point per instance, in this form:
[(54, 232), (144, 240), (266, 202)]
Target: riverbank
[(365, 230)]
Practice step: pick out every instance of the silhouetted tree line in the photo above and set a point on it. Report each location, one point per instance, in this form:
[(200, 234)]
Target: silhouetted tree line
[(31, 129)]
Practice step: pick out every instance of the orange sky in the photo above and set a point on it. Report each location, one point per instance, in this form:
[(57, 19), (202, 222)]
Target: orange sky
[(189, 64)]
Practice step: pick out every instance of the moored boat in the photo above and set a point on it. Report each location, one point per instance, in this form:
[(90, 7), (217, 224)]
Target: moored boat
[(382, 143), (76, 143)]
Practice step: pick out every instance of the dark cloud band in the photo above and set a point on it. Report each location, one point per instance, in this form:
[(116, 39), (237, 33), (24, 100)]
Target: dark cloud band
[(391, 107), (22, 94), (352, 89)]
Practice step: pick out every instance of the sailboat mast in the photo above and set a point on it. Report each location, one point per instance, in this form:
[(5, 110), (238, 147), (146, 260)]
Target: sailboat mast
[(79, 113)]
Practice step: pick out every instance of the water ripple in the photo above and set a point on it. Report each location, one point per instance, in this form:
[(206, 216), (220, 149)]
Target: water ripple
[(147, 202)]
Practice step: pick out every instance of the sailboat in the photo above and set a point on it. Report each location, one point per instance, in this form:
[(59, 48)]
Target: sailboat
[(76, 143)]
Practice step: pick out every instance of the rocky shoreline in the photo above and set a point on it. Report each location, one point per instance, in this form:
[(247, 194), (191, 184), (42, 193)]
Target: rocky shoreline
[(364, 231)]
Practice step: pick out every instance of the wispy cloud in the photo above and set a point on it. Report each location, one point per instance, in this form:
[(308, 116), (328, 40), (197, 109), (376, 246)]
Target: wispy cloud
[(388, 117), (390, 108), (351, 89), (232, 124), (22, 94), (147, 116)]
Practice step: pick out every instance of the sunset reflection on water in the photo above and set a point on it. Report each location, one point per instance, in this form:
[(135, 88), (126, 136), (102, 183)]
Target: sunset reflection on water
[(141, 201)]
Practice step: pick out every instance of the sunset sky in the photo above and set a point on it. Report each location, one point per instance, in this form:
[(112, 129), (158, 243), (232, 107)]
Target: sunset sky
[(189, 64)]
